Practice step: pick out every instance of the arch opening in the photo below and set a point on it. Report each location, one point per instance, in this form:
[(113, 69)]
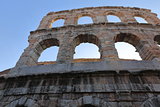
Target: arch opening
[(87, 46), (85, 20), (50, 54), (127, 51), (140, 19), (127, 46), (113, 18), (46, 49), (87, 105), (157, 39), (86, 50), (58, 23)]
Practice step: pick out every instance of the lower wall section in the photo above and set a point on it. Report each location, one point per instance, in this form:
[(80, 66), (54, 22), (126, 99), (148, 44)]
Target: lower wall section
[(81, 99), (96, 89)]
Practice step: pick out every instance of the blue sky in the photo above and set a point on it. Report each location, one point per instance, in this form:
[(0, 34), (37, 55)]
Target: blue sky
[(19, 17)]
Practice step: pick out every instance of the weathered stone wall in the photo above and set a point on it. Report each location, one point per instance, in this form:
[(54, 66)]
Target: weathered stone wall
[(105, 82), (104, 35), (98, 15), (101, 89), (84, 67), (101, 33)]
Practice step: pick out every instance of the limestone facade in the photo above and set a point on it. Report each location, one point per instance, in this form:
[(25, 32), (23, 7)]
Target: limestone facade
[(103, 89), (105, 82), (98, 15), (100, 33)]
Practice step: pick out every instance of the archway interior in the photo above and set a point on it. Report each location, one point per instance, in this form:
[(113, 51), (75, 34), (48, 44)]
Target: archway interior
[(140, 19), (86, 50), (86, 46), (127, 51), (85, 20), (58, 23), (127, 46), (50, 54), (157, 39), (47, 50), (113, 18)]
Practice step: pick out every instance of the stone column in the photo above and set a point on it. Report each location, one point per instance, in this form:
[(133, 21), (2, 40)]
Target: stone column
[(128, 18), (45, 23), (70, 21), (108, 51), (65, 53), (94, 19), (27, 58), (153, 20), (100, 19), (149, 51)]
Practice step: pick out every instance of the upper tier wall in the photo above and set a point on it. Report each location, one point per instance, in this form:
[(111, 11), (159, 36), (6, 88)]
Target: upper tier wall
[(98, 14), (104, 35), (144, 37)]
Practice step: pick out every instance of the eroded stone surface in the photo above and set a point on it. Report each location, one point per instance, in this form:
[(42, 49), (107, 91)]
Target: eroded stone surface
[(101, 89), (143, 36), (103, 35), (105, 82)]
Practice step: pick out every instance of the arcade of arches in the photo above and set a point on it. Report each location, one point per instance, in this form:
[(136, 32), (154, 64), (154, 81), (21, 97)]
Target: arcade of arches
[(129, 42)]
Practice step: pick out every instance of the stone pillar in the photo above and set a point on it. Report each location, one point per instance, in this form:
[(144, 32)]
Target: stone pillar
[(27, 58), (94, 19), (70, 21), (45, 23), (100, 19), (149, 52), (153, 20), (156, 20), (65, 53), (128, 18), (108, 51)]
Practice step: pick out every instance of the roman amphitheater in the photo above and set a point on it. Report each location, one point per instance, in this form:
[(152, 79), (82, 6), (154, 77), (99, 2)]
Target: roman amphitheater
[(105, 82)]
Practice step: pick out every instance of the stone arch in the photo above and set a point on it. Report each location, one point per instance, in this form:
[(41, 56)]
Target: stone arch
[(128, 37), (23, 102), (115, 13), (139, 19), (33, 51), (86, 38), (47, 21), (131, 39), (60, 24), (44, 44), (149, 17), (85, 20), (114, 17), (91, 15), (52, 20), (141, 15)]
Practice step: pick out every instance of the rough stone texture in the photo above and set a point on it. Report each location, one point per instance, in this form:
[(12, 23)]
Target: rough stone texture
[(105, 82), (101, 89), (104, 35), (98, 14), (101, 33), (86, 67)]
